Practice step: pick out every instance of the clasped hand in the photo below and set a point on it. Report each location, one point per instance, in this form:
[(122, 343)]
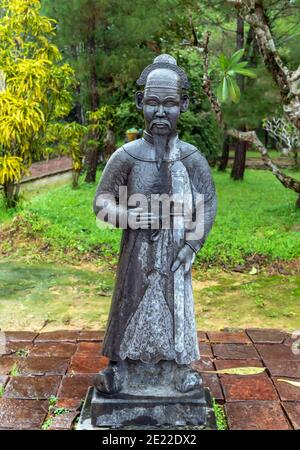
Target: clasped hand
[(147, 219)]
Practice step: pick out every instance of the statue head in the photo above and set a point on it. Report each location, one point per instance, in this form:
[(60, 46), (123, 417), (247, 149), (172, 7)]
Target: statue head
[(164, 97)]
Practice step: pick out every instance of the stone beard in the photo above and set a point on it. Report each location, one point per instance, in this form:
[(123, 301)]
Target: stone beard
[(152, 318)]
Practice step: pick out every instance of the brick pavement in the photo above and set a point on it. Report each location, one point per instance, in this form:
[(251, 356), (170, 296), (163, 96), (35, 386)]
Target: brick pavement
[(62, 364)]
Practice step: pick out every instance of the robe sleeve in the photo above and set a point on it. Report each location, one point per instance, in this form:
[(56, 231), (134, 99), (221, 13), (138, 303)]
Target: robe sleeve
[(107, 203), (202, 183)]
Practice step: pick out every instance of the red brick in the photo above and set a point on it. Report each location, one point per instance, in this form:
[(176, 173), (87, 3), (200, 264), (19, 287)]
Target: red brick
[(286, 391), (90, 335), (3, 380), (75, 386), (282, 368), (247, 387), (14, 347), (45, 365), (292, 410), (256, 415), (7, 363), (225, 337), (235, 351), (276, 351), (202, 336), (22, 414), (85, 364), (20, 336), (72, 404), (63, 350), (63, 421), (60, 335), (266, 336), (234, 363), (89, 348), (32, 387), (205, 350), (211, 381)]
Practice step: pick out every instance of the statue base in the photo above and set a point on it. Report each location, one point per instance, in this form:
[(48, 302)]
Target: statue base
[(133, 411), (149, 398)]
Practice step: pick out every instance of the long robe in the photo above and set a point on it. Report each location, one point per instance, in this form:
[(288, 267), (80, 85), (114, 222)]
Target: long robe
[(141, 324)]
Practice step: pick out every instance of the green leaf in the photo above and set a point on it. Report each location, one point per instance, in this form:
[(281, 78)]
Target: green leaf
[(234, 90), (239, 65), (236, 57), (246, 72), (224, 62), (238, 371), (222, 91)]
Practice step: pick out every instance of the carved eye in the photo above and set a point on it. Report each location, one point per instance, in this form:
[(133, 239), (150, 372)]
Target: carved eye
[(151, 103), (170, 104)]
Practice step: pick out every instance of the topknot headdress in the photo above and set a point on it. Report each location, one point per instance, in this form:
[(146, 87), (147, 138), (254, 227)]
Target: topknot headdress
[(164, 62)]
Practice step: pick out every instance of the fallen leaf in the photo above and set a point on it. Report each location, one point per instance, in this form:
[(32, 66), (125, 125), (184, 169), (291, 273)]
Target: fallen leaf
[(253, 271), (238, 371), (293, 383)]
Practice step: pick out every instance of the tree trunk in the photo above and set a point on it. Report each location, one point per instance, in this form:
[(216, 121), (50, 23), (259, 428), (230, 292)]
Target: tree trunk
[(238, 168), (75, 178), (295, 158), (266, 135), (92, 163), (109, 143), (78, 107), (225, 154), (93, 151), (249, 136), (255, 13), (11, 194)]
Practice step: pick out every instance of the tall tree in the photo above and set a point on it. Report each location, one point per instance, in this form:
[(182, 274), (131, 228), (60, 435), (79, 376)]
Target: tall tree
[(107, 42), (239, 162), (36, 92)]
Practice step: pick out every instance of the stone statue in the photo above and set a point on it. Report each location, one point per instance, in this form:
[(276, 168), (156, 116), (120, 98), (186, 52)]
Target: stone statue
[(151, 328)]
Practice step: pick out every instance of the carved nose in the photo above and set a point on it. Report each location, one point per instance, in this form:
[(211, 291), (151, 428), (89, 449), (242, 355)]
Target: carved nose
[(160, 111)]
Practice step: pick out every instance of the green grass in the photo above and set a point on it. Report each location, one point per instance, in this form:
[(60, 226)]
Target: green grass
[(15, 372), (2, 389), (274, 154), (220, 416), (255, 217)]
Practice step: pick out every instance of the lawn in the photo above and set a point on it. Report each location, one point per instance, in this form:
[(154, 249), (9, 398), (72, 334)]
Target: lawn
[(256, 218), (57, 267)]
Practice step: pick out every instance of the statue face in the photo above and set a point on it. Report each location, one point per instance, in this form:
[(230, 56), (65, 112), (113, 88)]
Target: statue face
[(161, 102)]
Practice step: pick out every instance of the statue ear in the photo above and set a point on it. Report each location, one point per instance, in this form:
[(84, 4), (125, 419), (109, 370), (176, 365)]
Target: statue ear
[(139, 97), (185, 101)]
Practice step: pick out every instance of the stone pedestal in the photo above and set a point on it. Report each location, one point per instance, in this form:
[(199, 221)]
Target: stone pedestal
[(148, 399)]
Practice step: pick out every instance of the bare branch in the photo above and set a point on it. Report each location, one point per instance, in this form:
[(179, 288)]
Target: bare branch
[(206, 83), (287, 81), (252, 138), (245, 136)]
